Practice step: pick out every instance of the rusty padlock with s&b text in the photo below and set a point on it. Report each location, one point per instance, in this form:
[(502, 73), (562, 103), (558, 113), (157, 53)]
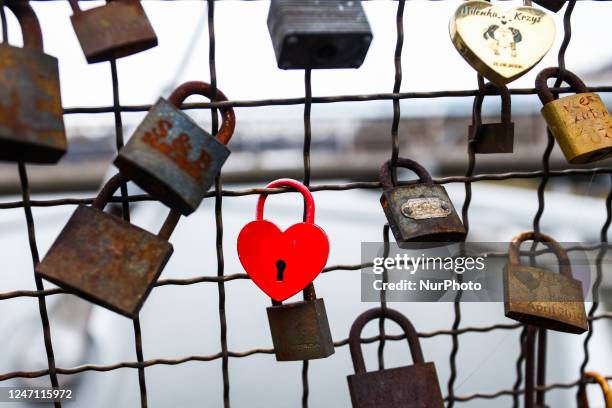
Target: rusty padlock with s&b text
[(419, 212), (106, 260), (283, 263), (171, 157), (540, 297), (31, 114), (115, 30), (414, 386), (580, 123), (492, 137)]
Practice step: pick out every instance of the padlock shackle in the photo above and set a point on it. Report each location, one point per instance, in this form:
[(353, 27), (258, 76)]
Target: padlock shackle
[(286, 182), (187, 89), (113, 184), (541, 83), (506, 104), (583, 401), (30, 27), (385, 178), (355, 335), (515, 246)]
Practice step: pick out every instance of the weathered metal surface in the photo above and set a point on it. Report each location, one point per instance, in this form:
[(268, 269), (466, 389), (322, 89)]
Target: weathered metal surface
[(319, 34), (580, 123), (540, 297), (493, 137), (171, 157), (31, 121), (114, 30), (552, 5), (300, 331), (428, 222), (414, 386)]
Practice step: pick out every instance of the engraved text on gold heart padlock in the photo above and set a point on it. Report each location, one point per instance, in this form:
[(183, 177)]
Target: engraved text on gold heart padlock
[(501, 45)]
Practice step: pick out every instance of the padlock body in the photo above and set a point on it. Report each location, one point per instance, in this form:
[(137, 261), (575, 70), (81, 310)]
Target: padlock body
[(115, 30), (105, 260), (413, 386), (552, 5), (544, 299), (494, 138), (172, 158), (300, 331), (582, 126), (422, 213), (31, 115), (319, 34)]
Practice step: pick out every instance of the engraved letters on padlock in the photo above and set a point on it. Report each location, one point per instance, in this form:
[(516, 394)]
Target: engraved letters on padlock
[(319, 34), (31, 115), (414, 386), (114, 30), (420, 212), (540, 297), (171, 157), (105, 259), (580, 123)]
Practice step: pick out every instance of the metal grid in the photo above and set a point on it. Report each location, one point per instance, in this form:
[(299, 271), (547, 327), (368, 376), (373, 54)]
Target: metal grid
[(528, 334)]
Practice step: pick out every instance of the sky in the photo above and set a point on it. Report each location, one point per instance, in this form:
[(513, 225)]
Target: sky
[(246, 67)]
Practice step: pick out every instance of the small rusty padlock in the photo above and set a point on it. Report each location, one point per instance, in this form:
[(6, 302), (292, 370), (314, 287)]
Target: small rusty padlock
[(414, 386), (171, 157), (540, 297), (552, 5), (114, 30), (493, 137), (419, 212), (106, 260), (319, 34), (583, 400), (31, 115), (580, 123)]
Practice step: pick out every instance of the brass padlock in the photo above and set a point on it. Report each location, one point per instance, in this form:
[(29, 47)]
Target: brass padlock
[(114, 30), (300, 330), (171, 157), (540, 297), (319, 34), (106, 260), (419, 212), (583, 401), (552, 5), (580, 123), (492, 137), (414, 386), (31, 115)]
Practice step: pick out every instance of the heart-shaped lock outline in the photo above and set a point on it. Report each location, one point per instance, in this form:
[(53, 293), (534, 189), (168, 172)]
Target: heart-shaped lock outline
[(476, 48), (257, 258)]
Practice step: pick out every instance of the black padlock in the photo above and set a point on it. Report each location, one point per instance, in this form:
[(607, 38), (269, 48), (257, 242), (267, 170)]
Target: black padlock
[(552, 5), (414, 386), (419, 212), (492, 137), (300, 330), (316, 34)]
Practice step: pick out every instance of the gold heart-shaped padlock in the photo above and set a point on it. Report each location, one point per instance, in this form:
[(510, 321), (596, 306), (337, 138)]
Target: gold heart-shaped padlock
[(501, 45)]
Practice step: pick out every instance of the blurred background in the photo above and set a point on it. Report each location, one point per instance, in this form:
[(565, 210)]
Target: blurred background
[(350, 141)]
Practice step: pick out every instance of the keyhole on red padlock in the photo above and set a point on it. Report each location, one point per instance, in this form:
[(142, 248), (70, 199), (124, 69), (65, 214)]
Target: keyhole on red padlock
[(280, 270)]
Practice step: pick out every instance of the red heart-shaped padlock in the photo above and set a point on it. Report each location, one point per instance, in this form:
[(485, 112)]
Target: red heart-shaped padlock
[(282, 263)]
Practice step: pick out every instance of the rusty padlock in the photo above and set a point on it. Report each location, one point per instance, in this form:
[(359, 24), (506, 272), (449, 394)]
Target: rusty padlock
[(552, 5), (540, 297), (171, 157), (319, 34), (580, 123), (300, 330), (419, 212), (492, 137), (414, 386), (106, 260), (114, 30), (31, 115), (583, 400)]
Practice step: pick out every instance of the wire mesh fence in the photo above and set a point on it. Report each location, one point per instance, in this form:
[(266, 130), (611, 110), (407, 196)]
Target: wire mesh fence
[(519, 388)]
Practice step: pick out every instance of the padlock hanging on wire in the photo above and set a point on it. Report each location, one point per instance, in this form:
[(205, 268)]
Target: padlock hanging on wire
[(496, 137)]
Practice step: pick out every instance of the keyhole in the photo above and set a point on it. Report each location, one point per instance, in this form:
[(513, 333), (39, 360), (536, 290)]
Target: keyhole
[(280, 270)]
